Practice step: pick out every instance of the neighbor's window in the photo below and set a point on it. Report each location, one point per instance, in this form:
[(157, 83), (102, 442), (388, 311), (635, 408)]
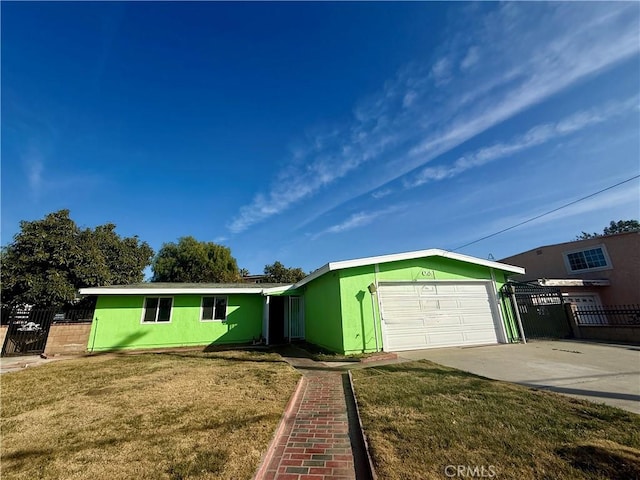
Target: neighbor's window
[(592, 259), (157, 309), (214, 308)]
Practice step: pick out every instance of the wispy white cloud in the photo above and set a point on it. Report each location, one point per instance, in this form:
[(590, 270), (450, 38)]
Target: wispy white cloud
[(43, 180), (385, 192), (358, 220), (409, 98), (354, 221), (471, 58), (34, 174), (535, 136), (509, 59), (33, 164), (580, 52), (329, 162), (442, 70)]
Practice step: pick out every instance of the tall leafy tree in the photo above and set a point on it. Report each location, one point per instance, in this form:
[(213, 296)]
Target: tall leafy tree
[(50, 259), (126, 257), (194, 261), (621, 226), (278, 273)]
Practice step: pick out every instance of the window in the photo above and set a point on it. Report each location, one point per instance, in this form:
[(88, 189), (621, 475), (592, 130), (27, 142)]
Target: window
[(214, 308), (585, 260), (157, 309)]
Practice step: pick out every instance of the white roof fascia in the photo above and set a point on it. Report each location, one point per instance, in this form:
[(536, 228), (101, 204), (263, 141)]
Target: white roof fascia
[(432, 252), (313, 275), (329, 267), (166, 291), (284, 288)]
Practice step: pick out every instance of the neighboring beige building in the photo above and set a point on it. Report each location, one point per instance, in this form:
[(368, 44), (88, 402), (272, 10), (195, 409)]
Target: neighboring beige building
[(598, 271)]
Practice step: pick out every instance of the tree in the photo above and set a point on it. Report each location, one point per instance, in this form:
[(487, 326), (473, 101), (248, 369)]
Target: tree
[(193, 261), (50, 259), (621, 226), (126, 257), (278, 273)]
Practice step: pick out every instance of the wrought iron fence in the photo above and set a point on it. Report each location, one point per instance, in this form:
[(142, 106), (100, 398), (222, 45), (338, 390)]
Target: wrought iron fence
[(610, 315), (28, 328), (540, 308), (27, 331), (73, 315)]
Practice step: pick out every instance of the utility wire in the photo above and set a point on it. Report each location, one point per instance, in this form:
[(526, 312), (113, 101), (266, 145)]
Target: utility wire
[(547, 213)]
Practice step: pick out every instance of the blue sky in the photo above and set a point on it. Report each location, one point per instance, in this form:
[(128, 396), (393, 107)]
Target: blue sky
[(314, 132)]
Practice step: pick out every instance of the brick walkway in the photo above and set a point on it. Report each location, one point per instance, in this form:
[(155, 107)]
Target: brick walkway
[(314, 443)]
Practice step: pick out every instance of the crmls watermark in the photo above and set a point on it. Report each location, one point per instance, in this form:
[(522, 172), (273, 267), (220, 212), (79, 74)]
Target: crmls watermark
[(470, 471)]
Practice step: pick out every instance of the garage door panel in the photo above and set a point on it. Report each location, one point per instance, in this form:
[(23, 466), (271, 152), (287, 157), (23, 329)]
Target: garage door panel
[(443, 321), (448, 304), (479, 337), (423, 315), (409, 320), (446, 338), (409, 342)]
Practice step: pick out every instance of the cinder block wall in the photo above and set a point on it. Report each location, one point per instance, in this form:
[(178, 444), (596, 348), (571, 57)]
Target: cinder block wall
[(67, 338)]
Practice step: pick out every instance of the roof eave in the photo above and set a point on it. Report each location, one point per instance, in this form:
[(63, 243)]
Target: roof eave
[(395, 257), (168, 291)]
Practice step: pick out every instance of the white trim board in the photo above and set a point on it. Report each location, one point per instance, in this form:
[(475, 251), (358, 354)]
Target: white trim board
[(176, 291)]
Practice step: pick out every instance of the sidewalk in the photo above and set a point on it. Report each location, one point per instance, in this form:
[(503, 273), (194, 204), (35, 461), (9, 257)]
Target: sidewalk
[(15, 364)]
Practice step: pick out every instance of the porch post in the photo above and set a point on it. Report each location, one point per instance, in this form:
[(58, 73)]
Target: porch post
[(265, 319)]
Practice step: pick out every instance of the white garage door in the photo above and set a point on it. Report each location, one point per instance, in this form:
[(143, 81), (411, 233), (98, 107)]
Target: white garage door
[(437, 314)]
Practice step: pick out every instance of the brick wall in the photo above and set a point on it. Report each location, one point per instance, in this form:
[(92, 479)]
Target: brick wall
[(67, 338)]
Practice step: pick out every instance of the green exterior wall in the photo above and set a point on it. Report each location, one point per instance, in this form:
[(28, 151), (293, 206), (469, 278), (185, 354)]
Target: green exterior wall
[(355, 309), (322, 318), (117, 323), (338, 311)]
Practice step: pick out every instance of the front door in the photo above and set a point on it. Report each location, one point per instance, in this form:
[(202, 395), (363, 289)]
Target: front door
[(277, 320)]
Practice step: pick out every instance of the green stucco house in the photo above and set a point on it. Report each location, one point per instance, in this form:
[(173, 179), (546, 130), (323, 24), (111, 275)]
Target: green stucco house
[(404, 301)]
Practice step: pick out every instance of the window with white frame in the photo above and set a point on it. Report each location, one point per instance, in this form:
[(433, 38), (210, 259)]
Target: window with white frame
[(157, 309), (595, 258), (214, 308)]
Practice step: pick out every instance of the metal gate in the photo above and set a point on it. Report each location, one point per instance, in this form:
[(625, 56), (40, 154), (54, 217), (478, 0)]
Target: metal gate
[(27, 331), (541, 310)]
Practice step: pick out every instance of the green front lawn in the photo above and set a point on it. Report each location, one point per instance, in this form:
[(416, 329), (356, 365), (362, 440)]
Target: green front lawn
[(147, 416), (421, 419)]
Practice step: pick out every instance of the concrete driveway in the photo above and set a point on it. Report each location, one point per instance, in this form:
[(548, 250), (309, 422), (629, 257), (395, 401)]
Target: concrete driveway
[(601, 373)]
